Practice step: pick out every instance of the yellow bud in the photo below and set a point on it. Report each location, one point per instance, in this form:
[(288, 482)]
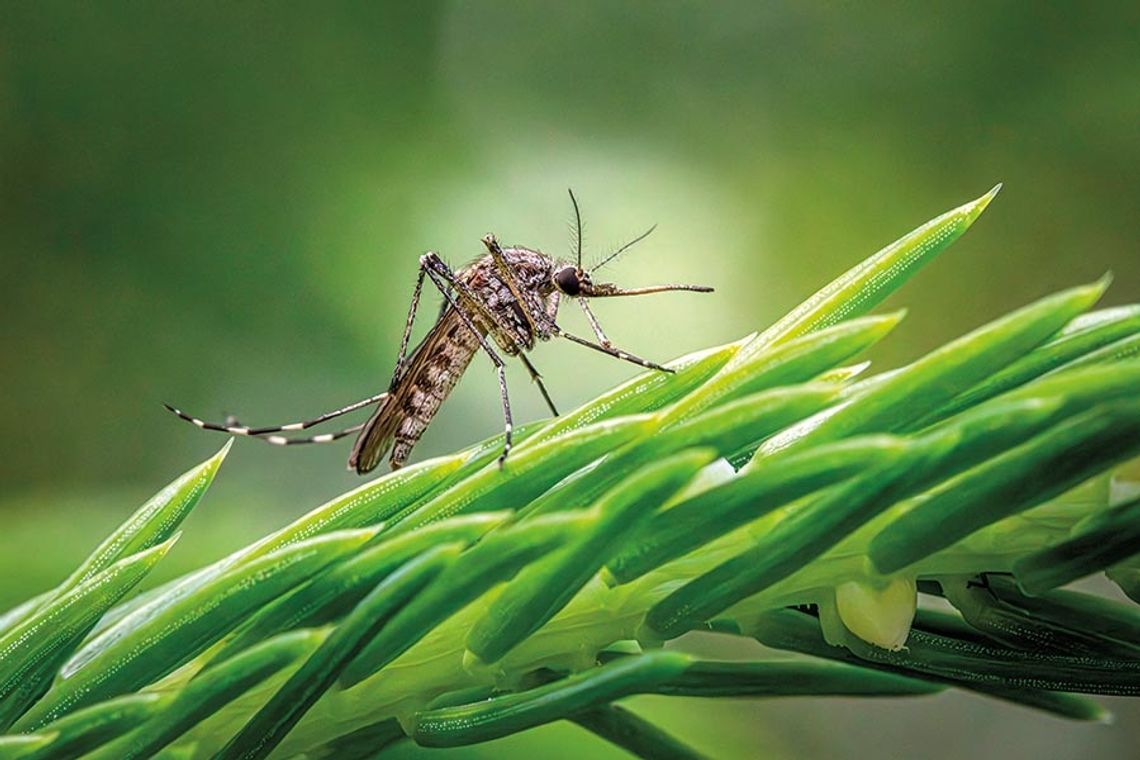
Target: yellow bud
[(879, 613)]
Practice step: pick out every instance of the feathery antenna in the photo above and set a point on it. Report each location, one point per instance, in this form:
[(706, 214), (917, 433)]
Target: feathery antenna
[(624, 248), (577, 227)]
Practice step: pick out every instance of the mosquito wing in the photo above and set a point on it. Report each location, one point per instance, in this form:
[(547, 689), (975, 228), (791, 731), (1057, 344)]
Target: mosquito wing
[(376, 436), (431, 372)]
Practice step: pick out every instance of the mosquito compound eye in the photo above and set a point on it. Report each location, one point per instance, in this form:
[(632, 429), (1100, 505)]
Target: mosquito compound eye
[(567, 281)]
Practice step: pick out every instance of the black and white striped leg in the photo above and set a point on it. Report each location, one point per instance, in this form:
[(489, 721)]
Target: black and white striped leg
[(508, 426), (280, 440), (442, 277), (536, 377), (402, 359), (236, 429), (612, 351)]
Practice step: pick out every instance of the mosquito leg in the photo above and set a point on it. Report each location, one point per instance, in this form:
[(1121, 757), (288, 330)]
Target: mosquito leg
[(613, 351), (508, 275), (442, 276), (280, 440), (535, 376), (402, 360), (595, 324), (550, 313), (453, 288), (236, 429), (507, 421)]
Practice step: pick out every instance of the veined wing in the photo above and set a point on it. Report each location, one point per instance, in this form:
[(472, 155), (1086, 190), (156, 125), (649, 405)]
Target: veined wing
[(380, 430)]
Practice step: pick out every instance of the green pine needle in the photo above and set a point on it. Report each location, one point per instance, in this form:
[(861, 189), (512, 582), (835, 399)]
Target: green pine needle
[(764, 489)]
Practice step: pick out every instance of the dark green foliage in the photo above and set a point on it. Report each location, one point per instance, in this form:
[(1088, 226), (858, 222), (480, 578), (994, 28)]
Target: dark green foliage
[(456, 601)]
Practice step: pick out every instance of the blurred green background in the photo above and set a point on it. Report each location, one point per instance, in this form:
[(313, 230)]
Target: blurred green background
[(221, 205)]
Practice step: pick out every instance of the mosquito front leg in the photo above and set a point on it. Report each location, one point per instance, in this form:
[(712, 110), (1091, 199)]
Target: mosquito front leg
[(597, 327), (442, 277), (612, 351)]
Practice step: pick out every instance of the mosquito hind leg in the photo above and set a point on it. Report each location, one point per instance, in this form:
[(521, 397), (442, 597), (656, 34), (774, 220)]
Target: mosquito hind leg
[(230, 425), (444, 279), (280, 440)]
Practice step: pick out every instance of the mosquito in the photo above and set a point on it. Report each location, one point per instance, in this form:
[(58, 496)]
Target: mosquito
[(505, 301)]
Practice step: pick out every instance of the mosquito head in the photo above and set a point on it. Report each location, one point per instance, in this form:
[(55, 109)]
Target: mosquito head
[(587, 289), (573, 281), (576, 282)]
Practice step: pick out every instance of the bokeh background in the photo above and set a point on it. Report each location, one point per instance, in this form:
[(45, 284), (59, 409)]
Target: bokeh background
[(221, 205)]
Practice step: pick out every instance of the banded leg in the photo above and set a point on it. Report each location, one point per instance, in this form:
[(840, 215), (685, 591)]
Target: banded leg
[(442, 277), (402, 359), (612, 351), (536, 377), (235, 429), (280, 440)]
